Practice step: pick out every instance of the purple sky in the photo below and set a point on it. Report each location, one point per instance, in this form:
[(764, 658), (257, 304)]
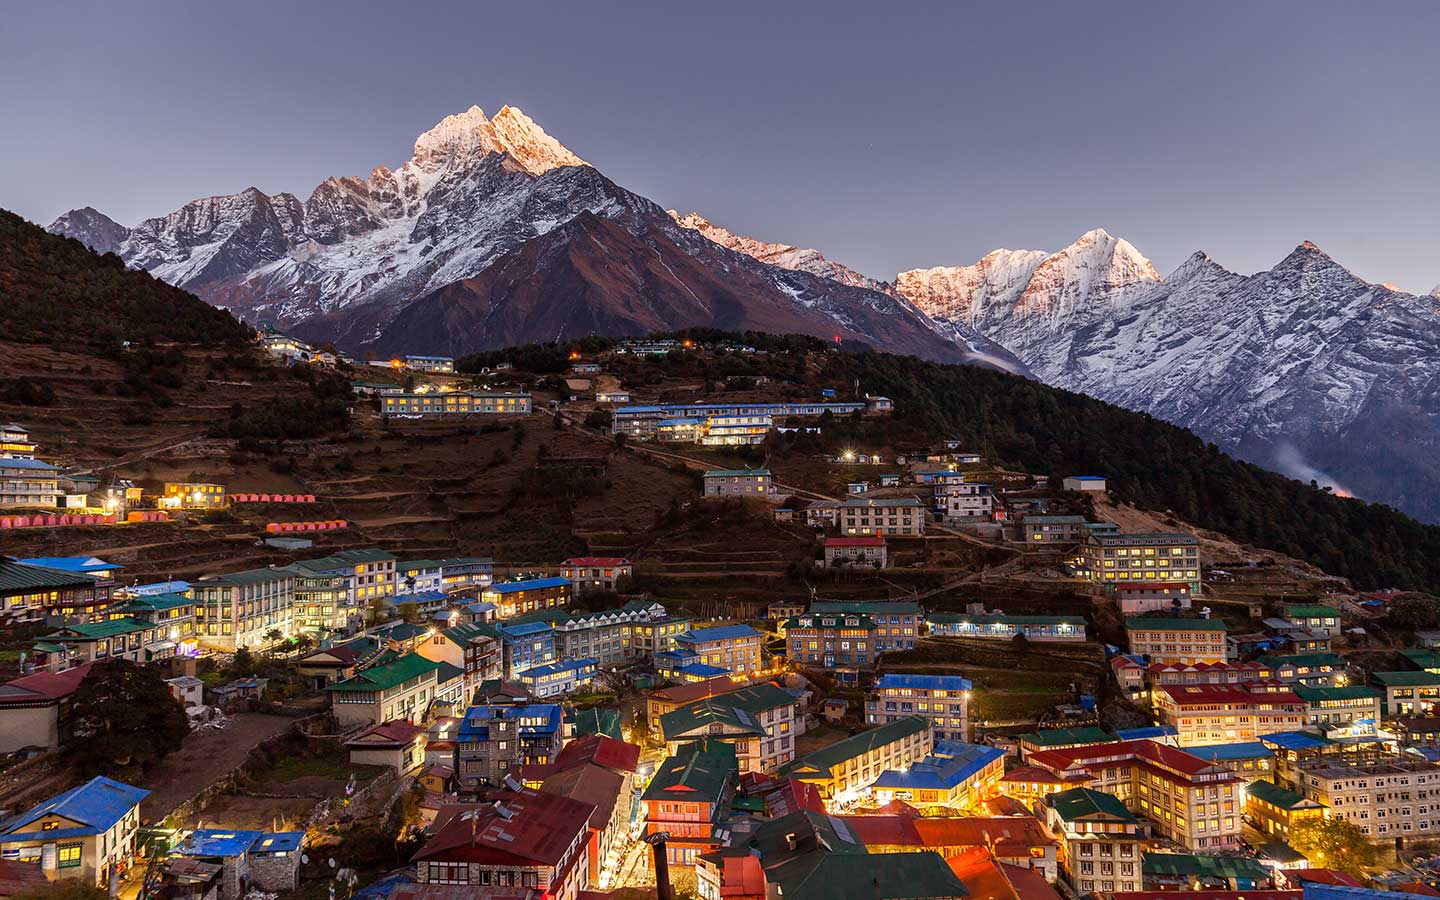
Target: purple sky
[(890, 136)]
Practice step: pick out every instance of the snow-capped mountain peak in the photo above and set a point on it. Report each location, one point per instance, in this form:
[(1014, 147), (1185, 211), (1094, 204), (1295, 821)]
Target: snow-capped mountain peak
[(1435, 292), (458, 138)]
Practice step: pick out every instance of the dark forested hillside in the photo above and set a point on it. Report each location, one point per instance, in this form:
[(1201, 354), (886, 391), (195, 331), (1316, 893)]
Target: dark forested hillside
[(1152, 464), (55, 290)]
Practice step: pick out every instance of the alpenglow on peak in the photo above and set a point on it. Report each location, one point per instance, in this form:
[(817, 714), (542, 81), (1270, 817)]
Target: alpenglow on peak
[(470, 133)]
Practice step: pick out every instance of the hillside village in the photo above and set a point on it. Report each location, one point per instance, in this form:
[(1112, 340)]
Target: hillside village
[(676, 616)]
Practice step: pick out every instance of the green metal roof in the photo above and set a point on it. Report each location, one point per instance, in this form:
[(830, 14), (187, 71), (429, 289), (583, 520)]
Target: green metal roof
[(822, 761), (1185, 864), (1276, 795), (156, 602), (869, 608), (247, 577), (697, 773), (464, 634), (1406, 679), (18, 576), (597, 720), (389, 675), (98, 630), (1310, 611), (1064, 737), (1146, 623), (738, 710), (1083, 803)]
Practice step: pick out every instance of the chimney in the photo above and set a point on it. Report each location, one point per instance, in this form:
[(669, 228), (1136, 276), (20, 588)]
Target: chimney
[(663, 889)]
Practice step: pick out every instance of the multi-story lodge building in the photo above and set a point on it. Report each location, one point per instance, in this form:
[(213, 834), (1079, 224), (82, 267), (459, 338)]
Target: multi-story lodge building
[(516, 598), (761, 720), (1111, 558), (525, 645), (1351, 705), (527, 844), (443, 365), (15, 442), (192, 495), (739, 483), (31, 593), (894, 515), (474, 647), (1314, 616), (28, 482), (735, 648), (455, 403), (1219, 713), (1102, 840), (846, 768), (1275, 810), (641, 421), (1183, 641), (734, 431), (238, 609), (954, 774), (687, 796), (1310, 669), (1044, 529), (1389, 798), (966, 501), (596, 573), (403, 688), (1192, 802), (856, 551), (943, 699), (118, 638), (1003, 627), (493, 740), (897, 622), (86, 834), (1152, 596), (1409, 693), (844, 642)]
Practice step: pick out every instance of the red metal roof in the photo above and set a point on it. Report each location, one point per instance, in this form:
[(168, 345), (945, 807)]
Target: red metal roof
[(48, 685), (1162, 756), (540, 828), (890, 830), (1323, 876), (397, 733), (1031, 775), (1006, 835), (600, 750), (876, 541), (698, 690), (1196, 694)]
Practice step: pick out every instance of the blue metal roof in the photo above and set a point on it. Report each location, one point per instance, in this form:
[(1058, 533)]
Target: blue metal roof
[(949, 764), (1147, 733), (84, 564), (718, 633), (547, 717), (278, 842), (1224, 752), (923, 682), (218, 842), (96, 805), (38, 464), (417, 597), (534, 584), (1295, 740), (481, 606), (586, 662), (702, 670), (161, 587), (523, 629)]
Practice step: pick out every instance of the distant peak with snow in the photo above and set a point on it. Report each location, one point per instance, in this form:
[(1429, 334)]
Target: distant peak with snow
[(470, 133)]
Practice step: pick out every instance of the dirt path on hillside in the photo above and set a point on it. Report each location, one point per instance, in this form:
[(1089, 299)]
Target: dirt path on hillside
[(205, 757)]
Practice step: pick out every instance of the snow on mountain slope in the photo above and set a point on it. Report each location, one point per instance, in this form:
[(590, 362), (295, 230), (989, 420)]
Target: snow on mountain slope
[(1303, 368), (785, 256), (92, 228), (344, 264)]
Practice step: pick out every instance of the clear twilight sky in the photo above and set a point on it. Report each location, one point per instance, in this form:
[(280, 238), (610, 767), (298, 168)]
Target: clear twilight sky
[(889, 135)]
